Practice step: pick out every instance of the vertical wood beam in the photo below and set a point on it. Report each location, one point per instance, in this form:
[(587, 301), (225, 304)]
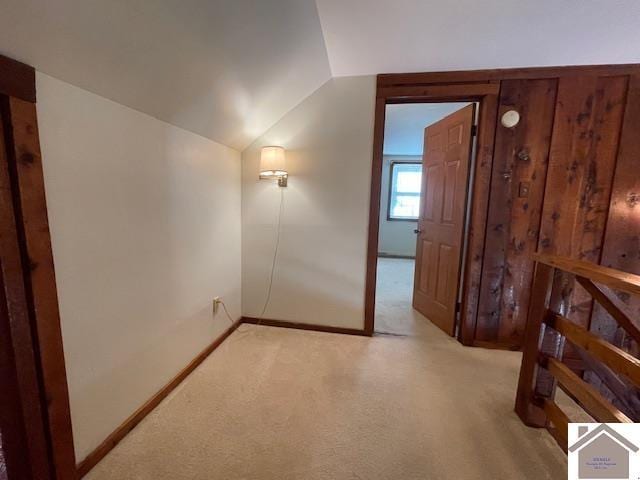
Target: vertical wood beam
[(41, 284), (530, 413), (517, 189), (21, 417), (374, 217), (481, 185)]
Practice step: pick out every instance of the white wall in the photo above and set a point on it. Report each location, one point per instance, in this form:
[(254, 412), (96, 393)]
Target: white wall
[(320, 271), (145, 227), (395, 237)]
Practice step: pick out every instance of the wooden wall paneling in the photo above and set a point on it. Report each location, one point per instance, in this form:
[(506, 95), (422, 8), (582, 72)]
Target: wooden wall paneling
[(470, 76), (41, 284), (517, 190), (18, 343), (621, 249), (481, 179), (582, 159)]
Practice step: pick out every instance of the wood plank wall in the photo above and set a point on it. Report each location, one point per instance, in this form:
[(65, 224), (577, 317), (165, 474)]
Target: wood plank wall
[(566, 180)]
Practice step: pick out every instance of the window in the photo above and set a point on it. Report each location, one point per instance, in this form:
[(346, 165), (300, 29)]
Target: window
[(404, 191)]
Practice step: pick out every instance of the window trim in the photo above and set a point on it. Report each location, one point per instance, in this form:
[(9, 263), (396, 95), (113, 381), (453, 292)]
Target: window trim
[(391, 166)]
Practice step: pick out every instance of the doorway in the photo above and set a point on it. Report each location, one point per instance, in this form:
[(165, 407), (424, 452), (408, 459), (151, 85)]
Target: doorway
[(425, 182)]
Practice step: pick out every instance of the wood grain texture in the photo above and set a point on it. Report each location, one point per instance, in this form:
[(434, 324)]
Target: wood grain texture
[(529, 413), (441, 223), (481, 187), (17, 80), (470, 76), (41, 284), (130, 423), (559, 421), (616, 279), (614, 387), (520, 162), (607, 299), (616, 359), (588, 397), (622, 239), (438, 92), (587, 140), (22, 422), (583, 153)]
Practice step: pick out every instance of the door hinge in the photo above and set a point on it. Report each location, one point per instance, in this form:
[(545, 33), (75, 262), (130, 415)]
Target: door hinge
[(474, 130), (458, 306)]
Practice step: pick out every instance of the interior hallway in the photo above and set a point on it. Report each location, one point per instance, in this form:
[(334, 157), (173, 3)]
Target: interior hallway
[(394, 291), (275, 403)]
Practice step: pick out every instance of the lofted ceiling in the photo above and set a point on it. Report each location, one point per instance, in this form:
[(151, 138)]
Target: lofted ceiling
[(229, 69), (224, 69), (386, 36)]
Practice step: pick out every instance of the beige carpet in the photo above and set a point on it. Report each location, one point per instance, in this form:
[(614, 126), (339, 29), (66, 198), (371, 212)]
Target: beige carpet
[(285, 404)]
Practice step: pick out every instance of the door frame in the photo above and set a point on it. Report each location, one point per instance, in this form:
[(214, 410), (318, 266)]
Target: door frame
[(40, 395), (438, 88), (482, 86)]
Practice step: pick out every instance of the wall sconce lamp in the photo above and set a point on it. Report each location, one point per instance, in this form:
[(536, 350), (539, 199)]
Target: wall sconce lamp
[(273, 165)]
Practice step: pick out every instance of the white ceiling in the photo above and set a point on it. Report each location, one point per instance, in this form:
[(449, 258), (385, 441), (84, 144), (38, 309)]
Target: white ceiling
[(384, 36), (404, 125), (225, 69), (230, 69)]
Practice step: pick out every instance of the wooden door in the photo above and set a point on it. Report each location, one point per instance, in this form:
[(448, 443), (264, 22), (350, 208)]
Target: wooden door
[(445, 170)]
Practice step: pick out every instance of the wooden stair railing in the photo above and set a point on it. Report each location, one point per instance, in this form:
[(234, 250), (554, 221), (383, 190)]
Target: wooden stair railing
[(546, 333)]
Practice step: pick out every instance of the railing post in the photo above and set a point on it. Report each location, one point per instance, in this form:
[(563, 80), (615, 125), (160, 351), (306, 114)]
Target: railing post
[(530, 413)]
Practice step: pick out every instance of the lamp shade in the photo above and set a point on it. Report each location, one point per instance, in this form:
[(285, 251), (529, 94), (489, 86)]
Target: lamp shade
[(272, 162)]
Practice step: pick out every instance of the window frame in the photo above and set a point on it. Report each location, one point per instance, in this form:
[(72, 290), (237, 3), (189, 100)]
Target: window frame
[(390, 195)]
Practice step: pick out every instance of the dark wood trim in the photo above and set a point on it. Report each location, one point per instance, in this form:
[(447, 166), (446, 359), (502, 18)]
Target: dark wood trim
[(437, 93), (40, 284), (17, 79), (130, 423), (22, 422), (476, 234), (304, 326), (469, 76), (374, 216), (616, 279), (487, 94)]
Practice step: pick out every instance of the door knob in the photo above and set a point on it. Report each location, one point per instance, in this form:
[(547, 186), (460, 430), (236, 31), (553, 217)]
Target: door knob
[(417, 230)]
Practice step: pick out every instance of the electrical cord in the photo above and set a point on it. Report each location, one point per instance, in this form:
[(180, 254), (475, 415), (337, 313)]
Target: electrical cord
[(224, 307), (275, 257), (273, 267)]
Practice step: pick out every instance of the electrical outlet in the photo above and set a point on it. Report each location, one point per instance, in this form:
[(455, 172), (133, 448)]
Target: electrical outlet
[(216, 304)]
